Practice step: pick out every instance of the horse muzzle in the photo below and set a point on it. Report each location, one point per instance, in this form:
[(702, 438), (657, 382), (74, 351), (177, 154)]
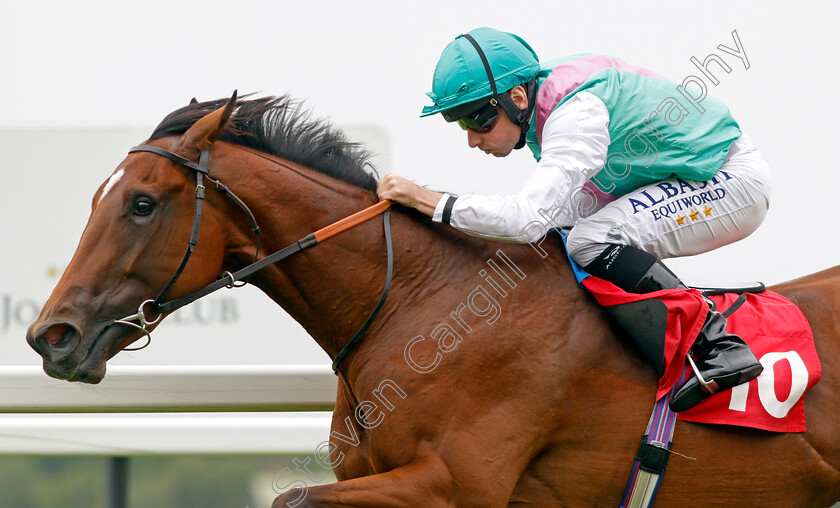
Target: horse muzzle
[(62, 347)]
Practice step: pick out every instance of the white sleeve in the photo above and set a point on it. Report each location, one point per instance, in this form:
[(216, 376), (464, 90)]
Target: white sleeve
[(574, 148)]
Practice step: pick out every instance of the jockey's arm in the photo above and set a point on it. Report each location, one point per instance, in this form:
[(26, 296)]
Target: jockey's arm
[(574, 148)]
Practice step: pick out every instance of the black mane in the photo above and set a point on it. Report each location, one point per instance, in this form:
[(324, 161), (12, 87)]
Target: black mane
[(279, 126)]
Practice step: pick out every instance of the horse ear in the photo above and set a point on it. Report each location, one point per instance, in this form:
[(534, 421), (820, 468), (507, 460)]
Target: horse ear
[(206, 131), (193, 101)]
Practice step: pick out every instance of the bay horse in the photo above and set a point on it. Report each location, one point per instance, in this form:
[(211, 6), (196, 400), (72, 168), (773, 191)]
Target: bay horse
[(488, 379)]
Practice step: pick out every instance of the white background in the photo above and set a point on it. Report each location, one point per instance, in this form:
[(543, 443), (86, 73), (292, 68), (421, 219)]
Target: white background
[(116, 68)]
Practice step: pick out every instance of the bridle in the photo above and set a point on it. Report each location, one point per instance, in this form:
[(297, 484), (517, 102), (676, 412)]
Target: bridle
[(240, 277), (201, 171)]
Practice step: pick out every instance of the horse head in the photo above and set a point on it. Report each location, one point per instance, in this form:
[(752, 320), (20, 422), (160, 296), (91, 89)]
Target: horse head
[(134, 240)]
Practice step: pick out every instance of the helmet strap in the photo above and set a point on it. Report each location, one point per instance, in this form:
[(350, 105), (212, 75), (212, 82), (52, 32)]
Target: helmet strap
[(524, 115), (520, 117)]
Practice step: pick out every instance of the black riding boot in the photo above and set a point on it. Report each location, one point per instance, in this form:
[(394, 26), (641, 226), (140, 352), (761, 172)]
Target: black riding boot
[(721, 359)]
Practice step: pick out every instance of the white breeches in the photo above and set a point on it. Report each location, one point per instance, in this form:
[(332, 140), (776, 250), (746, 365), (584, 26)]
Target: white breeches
[(681, 218)]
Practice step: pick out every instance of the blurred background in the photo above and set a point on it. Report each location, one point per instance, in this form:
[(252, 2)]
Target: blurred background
[(84, 81)]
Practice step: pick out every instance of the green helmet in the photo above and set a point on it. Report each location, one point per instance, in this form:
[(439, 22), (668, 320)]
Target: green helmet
[(461, 76)]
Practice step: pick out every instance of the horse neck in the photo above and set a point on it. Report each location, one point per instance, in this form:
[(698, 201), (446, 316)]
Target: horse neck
[(330, 288)]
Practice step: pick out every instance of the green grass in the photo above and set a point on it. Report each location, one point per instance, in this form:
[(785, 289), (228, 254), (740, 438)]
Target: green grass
[(154, 481)]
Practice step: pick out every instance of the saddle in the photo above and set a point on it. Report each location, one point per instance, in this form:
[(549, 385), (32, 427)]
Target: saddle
[(738, 289), (775, 330), (773, 327)]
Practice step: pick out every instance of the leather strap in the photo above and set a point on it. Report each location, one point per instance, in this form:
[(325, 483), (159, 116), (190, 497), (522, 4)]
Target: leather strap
[(484, 61), (174, 157), (735, 306), (306, 242), (231, 279), (518, 116), (310, 240), (358, 337), (201, 169), (351, 221)]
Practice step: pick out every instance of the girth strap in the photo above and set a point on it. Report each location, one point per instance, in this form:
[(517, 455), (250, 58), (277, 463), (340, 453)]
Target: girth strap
[(652, 455)]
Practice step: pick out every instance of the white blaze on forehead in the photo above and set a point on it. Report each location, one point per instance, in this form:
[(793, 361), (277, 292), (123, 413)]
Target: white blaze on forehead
[(111, 182)]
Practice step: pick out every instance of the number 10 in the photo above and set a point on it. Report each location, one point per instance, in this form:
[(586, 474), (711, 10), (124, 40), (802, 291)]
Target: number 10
[(767, 385)]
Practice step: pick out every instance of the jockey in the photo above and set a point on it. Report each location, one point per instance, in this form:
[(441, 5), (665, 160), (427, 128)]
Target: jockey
[(634, 168)]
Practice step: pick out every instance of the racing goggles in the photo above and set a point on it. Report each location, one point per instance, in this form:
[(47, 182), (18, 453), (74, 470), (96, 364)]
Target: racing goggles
[(482, 119), (480, 115)]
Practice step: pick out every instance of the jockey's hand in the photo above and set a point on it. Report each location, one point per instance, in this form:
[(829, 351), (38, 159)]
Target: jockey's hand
[(408, 193)]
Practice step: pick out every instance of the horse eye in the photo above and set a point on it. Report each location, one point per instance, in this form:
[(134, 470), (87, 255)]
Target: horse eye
[(143, 207)]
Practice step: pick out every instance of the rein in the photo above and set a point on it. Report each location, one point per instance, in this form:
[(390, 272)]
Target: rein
[(239, 278)]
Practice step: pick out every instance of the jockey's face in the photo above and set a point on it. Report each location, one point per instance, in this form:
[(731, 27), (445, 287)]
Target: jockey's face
[(500, 140)]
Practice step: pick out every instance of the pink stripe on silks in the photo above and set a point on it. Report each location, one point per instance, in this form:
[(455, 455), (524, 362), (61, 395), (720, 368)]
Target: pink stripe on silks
[(598, 193), (568, 76), (601, 196)]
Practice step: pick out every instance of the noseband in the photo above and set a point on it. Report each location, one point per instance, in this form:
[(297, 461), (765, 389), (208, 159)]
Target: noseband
[(230, 280)]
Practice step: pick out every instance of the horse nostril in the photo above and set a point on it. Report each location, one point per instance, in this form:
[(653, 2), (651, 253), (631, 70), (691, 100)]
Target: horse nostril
[(54, 342), (56, 333)]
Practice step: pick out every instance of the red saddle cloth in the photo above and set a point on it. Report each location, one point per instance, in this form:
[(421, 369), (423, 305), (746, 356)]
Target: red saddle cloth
[(774, 328)]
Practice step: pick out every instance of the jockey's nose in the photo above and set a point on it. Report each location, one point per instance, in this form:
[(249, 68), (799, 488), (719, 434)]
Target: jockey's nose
[(473, 138)]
